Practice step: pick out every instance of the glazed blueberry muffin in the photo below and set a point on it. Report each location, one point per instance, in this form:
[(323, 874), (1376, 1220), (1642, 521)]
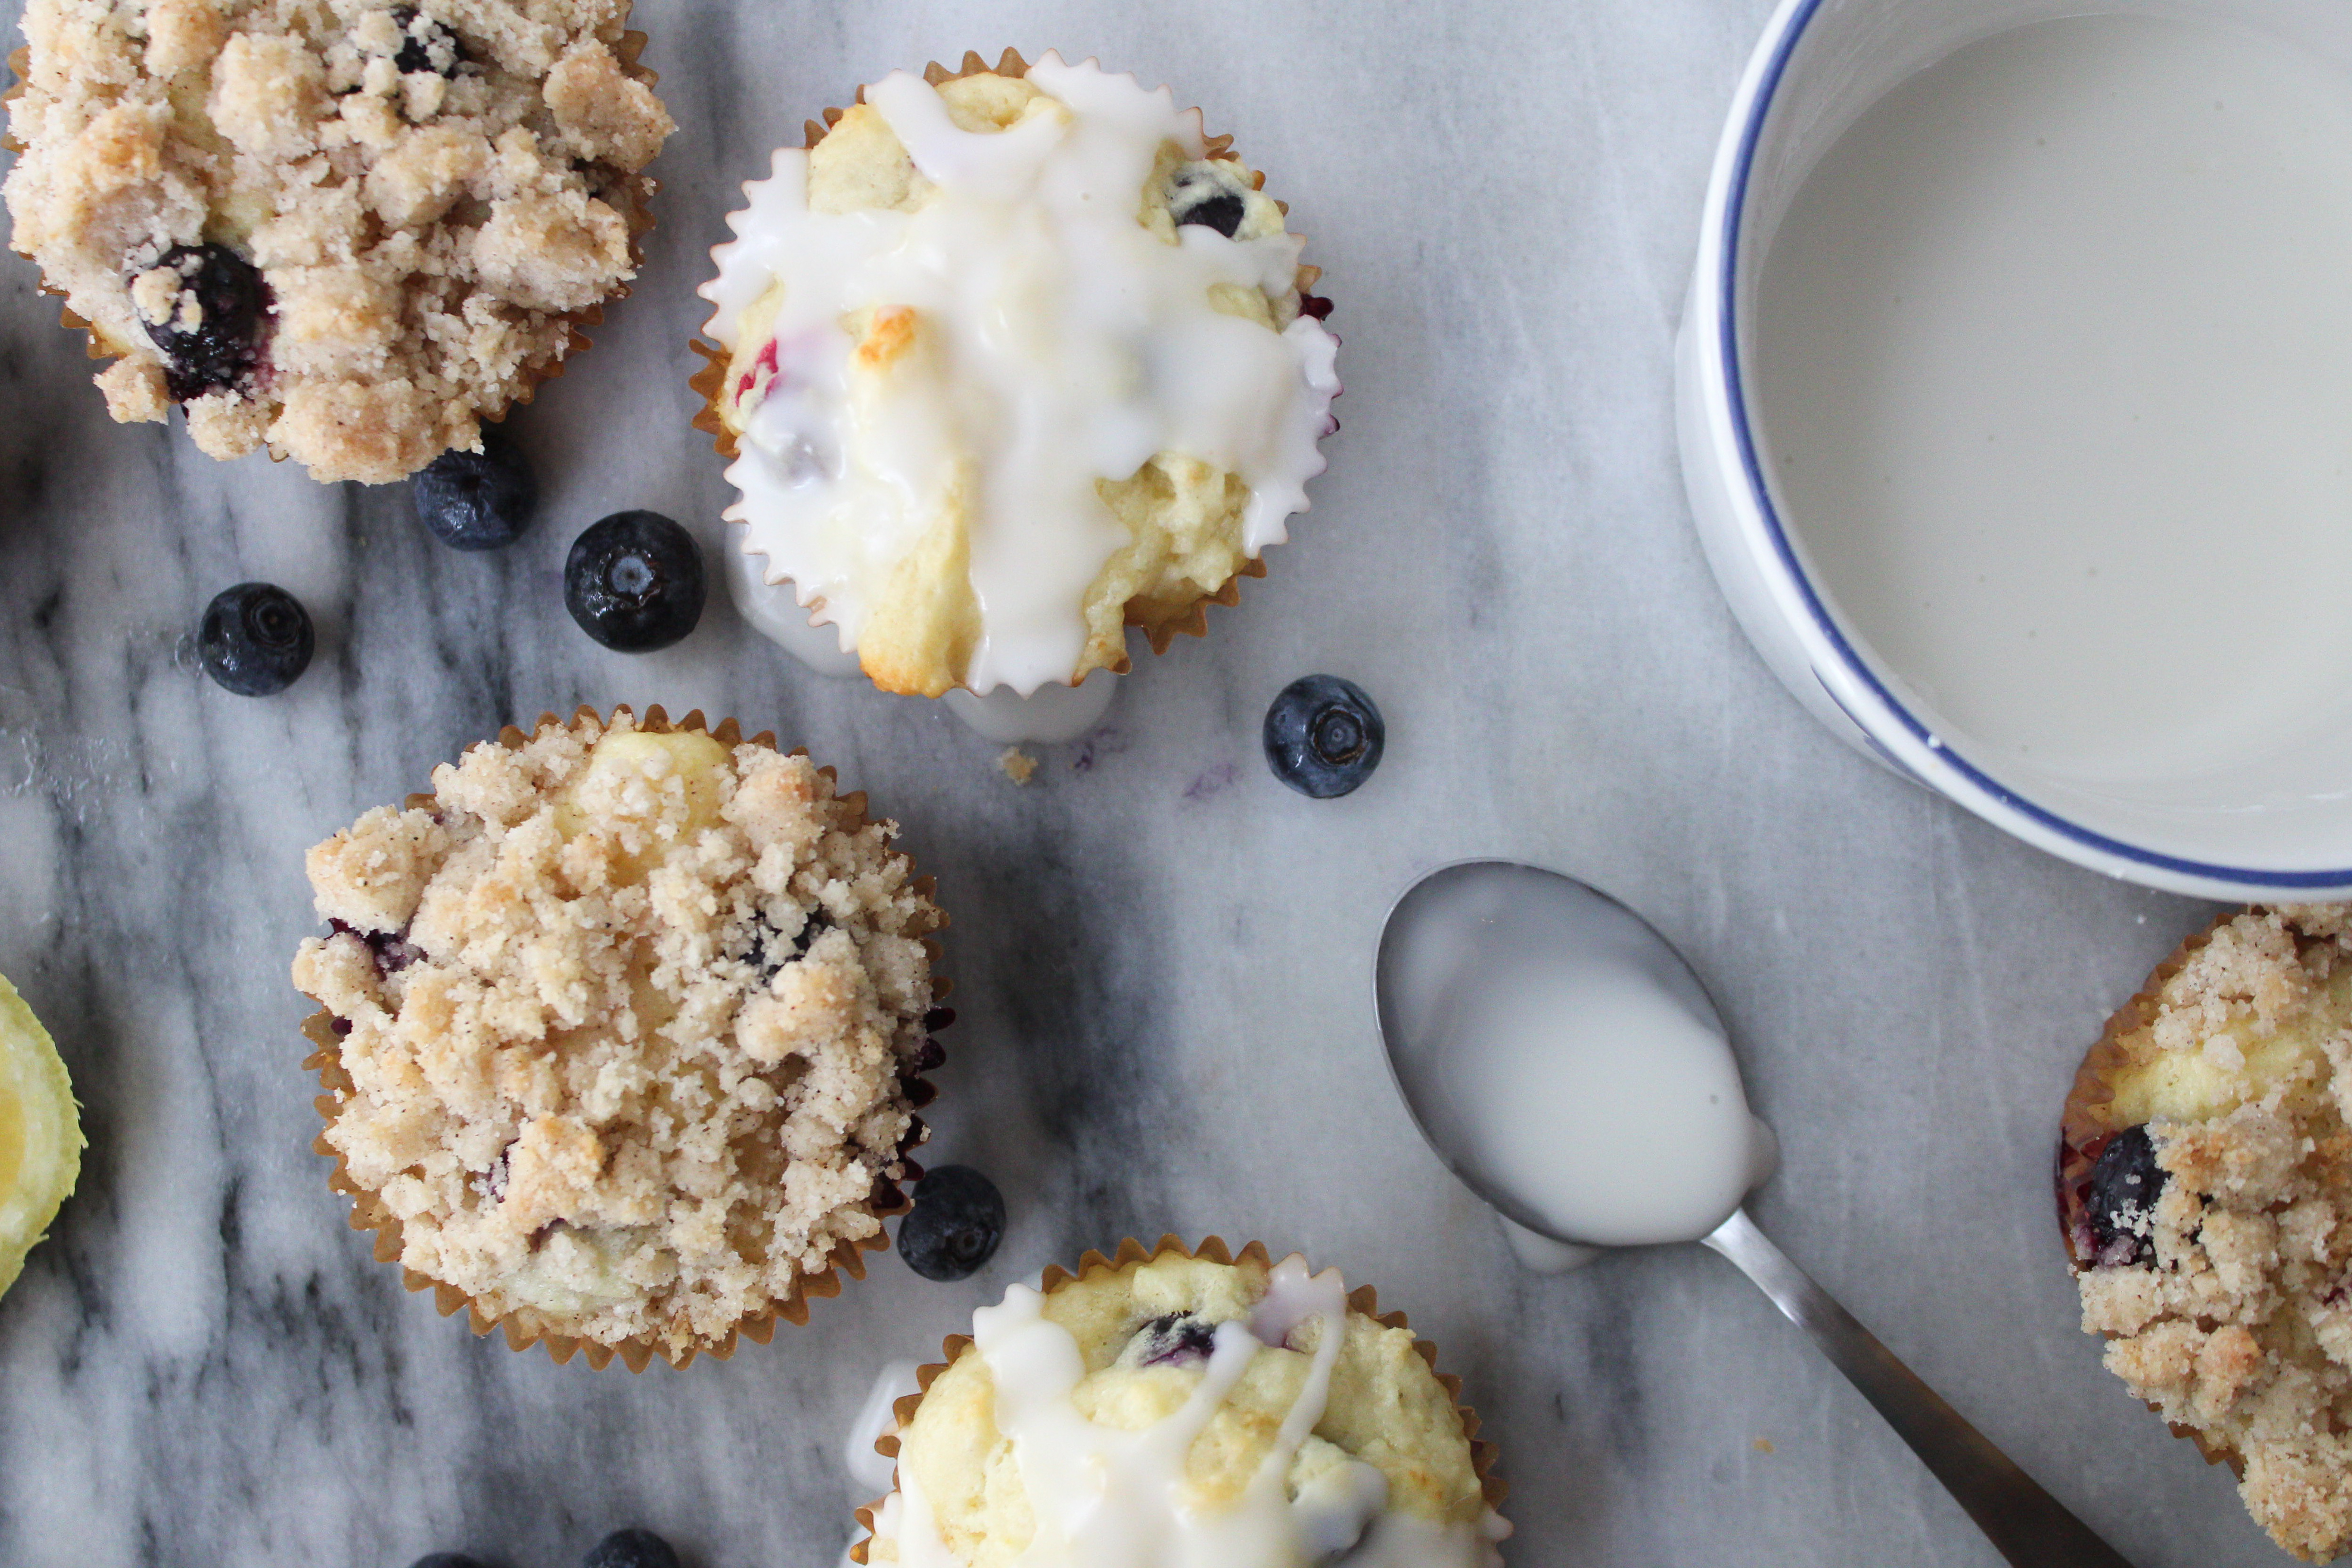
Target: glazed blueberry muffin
[(345, 230), (2206, 1182), (626, 1030), (1010, 360), (1180, 1408)]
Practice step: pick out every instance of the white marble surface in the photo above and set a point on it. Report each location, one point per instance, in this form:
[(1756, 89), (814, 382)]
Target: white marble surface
[(1162, 956)]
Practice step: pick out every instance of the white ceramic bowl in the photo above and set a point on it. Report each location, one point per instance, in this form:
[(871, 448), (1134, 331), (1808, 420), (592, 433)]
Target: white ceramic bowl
[(1821, 63)]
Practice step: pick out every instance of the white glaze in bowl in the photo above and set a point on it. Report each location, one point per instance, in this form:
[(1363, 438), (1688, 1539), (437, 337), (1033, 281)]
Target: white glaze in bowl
[(2261, 825)]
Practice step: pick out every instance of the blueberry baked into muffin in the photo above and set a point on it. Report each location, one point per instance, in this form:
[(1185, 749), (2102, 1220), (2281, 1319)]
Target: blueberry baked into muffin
[(1010, 360), (343, 230), (1174, 1407), (2206, 1185), (623, 1034)]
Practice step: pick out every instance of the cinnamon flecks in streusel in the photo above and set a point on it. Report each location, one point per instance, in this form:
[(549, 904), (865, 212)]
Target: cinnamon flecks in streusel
[(2213, 1234), (343, 229), (631, 1018)]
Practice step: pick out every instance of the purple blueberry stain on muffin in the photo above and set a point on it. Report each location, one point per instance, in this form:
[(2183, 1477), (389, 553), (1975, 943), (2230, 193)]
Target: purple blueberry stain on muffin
[(1175, 1338), (208, 310)]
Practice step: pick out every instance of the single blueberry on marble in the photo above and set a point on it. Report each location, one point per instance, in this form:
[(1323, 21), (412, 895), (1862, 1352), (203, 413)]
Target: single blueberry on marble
[(955, 1225), (211, 337), (1323, 736), (256, 639), (477, 501), (1174, 1339), (635, 582), (2126, 1182), (631, 1548)]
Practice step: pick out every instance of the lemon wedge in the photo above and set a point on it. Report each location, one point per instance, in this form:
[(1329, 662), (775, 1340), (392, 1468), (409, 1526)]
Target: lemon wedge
[(40, 1132)]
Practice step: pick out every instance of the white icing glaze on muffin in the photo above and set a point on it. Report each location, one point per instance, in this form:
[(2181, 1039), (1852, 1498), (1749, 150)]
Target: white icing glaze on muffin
[(1185, 1411), (996, 379)]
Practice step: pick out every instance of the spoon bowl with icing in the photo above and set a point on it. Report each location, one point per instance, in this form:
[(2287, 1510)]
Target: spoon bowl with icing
[(1564, 1060)]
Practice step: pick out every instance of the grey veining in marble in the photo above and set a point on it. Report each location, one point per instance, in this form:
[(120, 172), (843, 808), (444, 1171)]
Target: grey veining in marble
[(1162, 958)]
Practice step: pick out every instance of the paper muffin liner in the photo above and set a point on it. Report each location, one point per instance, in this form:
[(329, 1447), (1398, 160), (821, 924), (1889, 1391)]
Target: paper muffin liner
[(638, 215), (2087, 1122), (1363, 1299), (1160, 626), (521, 1327)]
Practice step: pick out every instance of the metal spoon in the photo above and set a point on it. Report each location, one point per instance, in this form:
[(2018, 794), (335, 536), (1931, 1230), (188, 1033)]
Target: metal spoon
[(1470, 934)]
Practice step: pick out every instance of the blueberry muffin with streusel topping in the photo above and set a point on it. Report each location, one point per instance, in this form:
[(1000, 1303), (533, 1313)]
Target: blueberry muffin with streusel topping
[(1186, 1407), (345, 230), (623, 1034), (2205, 1179)]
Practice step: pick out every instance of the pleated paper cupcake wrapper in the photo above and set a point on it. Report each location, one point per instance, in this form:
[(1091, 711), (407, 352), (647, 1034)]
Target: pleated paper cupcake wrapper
[(1162, 626), (523, 1327), (638, 215), (1363, 1299), (2088, 1121)]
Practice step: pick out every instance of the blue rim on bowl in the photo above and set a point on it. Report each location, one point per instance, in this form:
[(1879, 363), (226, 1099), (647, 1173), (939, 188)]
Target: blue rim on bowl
[(1936, 754)]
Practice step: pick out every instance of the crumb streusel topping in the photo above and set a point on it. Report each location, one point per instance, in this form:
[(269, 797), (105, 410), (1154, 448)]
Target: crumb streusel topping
[(343, 229), (2228, 1298), (628, 1019)]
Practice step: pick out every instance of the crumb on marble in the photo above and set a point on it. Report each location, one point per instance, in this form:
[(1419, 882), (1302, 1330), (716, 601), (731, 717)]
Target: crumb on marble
[(1018, 766)]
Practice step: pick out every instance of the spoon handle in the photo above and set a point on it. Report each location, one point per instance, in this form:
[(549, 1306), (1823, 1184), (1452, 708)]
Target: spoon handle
[(2026, 1524)]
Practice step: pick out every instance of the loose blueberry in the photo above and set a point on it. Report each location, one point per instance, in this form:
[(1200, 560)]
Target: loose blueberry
[(1323, 736), (631, 1549), (256, 639), (477, 501), (955, 1225), (1203, 199), (1174, 1340), (633, 581), (2126, 1182), (211, 338), (447, 1560), (424, 44)]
